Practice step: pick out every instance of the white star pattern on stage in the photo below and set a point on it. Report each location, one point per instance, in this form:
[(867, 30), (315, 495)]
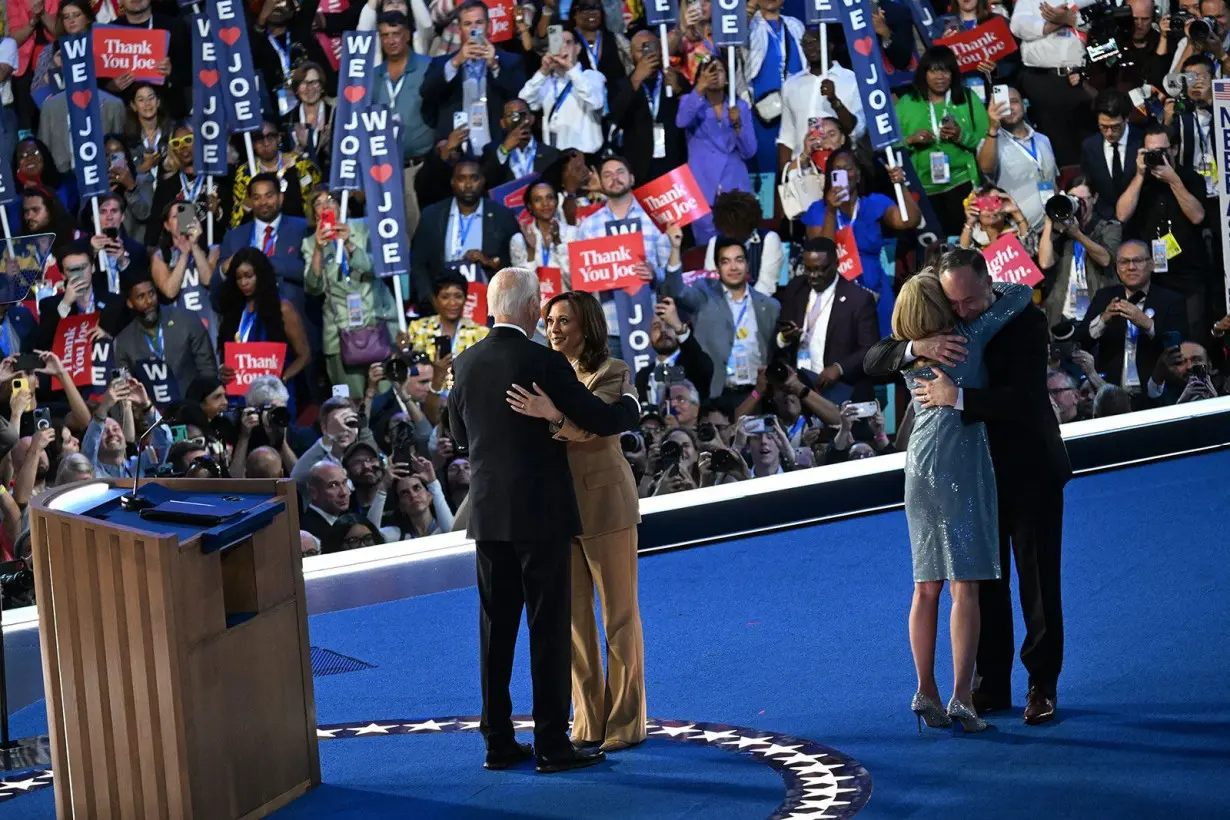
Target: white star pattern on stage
[(814, 789)]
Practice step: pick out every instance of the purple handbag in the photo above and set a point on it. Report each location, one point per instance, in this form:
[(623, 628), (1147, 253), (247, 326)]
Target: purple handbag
[(364, 345)]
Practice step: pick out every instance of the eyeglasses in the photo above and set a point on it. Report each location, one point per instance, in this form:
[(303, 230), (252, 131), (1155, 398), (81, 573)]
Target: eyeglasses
[(185, 141), (1133, 261), (368, 540), (313, 83), (267, 136), (1059, 391)]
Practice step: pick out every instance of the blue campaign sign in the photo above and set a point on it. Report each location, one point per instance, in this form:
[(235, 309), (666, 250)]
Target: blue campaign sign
[(867, 63), (7, 192), (84, 115), (353, 96), (729, 21), (929, 231), (381, 166), (924, 20), (662, 12), (635, 312), (230, 31), (208, 103), (159, 381), (816, 12)]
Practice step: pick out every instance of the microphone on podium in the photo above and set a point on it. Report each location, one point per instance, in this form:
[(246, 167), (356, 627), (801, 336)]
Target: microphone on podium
[(131, 501)]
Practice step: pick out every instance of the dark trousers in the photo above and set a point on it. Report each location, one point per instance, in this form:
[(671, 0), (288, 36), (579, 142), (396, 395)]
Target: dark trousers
[(1031, 529), (949, 208), (534, 575), (1059, 110)]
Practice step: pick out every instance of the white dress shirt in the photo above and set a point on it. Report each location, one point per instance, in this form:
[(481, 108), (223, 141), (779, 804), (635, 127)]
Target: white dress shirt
[(577, 121), (1097, 327), (556, 257), (820, 329), (801, 100), (1109, 154), (772, 257), (1059, 49), (751, 344)]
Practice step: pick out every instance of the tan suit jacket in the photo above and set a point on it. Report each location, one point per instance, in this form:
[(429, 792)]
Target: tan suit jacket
[(605, 488)]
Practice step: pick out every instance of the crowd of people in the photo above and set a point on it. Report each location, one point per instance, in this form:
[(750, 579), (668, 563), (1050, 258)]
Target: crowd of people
[(1104, 170)]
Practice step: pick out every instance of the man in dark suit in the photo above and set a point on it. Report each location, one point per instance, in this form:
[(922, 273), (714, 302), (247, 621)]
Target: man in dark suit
[(120, 256), (645, 113), (1031, 469), (1108, 159), (675, 345), (466, 233), (1127, 324), (461, 80), (828, 324), (280, 237), (287, 39), (523, 516), (85, 292), (168, 334), (520, 154)]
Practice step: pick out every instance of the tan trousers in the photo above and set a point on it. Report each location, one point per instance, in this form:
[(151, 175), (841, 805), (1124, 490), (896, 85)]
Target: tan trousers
[(411, 199), (610, 707)]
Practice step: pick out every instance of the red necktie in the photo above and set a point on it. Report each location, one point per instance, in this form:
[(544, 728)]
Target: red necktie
[(267, 247)]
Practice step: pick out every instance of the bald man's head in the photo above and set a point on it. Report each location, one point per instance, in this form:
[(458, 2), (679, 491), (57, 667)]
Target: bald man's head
[(264, 462)]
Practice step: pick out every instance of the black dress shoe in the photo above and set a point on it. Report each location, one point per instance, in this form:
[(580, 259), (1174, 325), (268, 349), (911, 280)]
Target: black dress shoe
[(502, 757), (571, 758), (1039, 707), (987, 701)]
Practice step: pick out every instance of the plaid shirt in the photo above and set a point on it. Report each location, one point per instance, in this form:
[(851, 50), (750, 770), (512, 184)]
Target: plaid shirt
[(657, 251)]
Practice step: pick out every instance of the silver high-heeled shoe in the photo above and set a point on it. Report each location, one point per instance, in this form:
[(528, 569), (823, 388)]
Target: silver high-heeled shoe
[(965, 715), (925, 709)]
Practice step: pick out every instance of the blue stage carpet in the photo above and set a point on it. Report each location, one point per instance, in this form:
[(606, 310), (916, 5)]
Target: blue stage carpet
[(804, 634)]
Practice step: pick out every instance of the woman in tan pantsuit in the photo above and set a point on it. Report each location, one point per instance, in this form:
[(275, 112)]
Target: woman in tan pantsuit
[(607, 710)]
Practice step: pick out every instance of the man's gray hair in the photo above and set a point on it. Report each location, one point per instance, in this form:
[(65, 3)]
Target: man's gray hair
[(511, 290), (1067, 377), (265, 390), (73, 467), (692, 393)]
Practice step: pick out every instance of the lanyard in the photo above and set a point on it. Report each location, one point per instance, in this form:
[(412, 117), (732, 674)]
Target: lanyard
[(560, 96), (522, 159), (747, 300), (545, 244), (190, 192), (394, 90), (795, 428), (853, 215), (654, 97), (157, 351), (152, 145), (315, 127), (113, 273), (809, 325), (266, 247), (247, 320), (283, 55), (1199, 132), (344, 266), (595, 52), (461, 229), (1031, 151), (935, 126)]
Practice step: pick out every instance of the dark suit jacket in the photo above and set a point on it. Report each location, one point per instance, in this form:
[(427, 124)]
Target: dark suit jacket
[(303, 40), (1094, 166), (497, 173), (630, 111), (110, 307), (1169, 313), (430, 244), (287, 258), (1026, 449), (186, 346), (521, 486), (853, 328), (442, 99), (696, 364)]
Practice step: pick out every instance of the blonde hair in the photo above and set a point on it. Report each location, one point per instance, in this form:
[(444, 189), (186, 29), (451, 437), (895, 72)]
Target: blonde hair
[(922, 308)]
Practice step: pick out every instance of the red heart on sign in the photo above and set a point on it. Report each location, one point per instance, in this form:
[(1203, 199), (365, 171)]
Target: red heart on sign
[(381, 173), (229, 35), (82, 98), (354, 93), (209, 77), (863, 46)]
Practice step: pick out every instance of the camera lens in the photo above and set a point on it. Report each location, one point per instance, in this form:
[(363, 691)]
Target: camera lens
[(723, 461), (1199, 30), (629, 442), (278, 416), (705, 431), (1060, 208), (1153, 158), (670, 453)]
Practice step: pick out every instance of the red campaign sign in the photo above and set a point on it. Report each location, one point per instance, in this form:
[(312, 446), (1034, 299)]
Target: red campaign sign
[(849, 265), (119, 50), (73, 346), (252, 359), (691, 277), (1008, 262), (589, 210), (606, 263), (502, 17), (476, 304), (673, 197), (991, 42), (550, 283)]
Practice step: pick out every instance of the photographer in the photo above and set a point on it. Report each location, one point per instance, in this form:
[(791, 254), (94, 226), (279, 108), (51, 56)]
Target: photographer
[(112, 447), (1076, 253), (675, 466), (271, 422), (780, 376), (1210, 19), (858, 436), (371, 476), (1164, 205), (32, 465), (421, 508), (721, 466), (676, 347), (416, 391), (1181, 374), (1193, 126), (520, 154), (341, 427)]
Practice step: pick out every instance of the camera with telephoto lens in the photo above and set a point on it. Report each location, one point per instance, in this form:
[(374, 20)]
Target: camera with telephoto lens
[(1200, 31), (706, 432), (629, 442), (1106, 23), (669, 454), (1065, 208), (276, 415), (395, 369), (723, 461), (16, 583), (1178, 21), (777, 373)]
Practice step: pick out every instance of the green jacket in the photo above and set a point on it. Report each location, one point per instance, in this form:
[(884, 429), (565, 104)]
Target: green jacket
[(971, 115), (377, 302)]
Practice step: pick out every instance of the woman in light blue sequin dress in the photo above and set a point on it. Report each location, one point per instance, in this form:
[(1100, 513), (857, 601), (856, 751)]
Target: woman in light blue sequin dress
[(950, 498)]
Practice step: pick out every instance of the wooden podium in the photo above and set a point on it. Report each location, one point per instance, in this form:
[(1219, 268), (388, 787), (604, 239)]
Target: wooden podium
[(175, 656)]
